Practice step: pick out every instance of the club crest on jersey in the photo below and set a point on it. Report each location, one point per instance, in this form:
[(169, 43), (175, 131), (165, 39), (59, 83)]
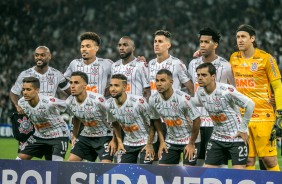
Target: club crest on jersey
[(94, 70), (230, 89), (254, 66), (187, 97), (216, 102), (128, 71), (50, 79), (101, 99), (174, 106), (25, 125), (141, 100)]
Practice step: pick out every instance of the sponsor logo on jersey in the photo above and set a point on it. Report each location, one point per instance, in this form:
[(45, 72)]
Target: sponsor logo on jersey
[(230, 89), (245, 83), (141, 100), (255, 115), (187, 97), (130, 128), (254, 66), (52, 99)]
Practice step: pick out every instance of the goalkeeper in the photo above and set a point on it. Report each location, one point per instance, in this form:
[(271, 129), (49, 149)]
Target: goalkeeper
[(255, 72)]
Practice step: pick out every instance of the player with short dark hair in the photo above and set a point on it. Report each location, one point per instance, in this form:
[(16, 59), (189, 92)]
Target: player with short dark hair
[(134, 69), (162, 44), (209, 41), (97, 69), (256, 72), (181, 118), (132, 114), (51, 131), (50, 78), (230, 131), (88, 108), (51, 81)]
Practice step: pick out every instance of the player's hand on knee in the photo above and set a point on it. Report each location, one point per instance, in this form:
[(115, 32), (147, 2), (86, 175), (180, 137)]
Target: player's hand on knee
[(190, 151), (112, 148), (73, 141), (121, 149), (150, 153), (162, 148)]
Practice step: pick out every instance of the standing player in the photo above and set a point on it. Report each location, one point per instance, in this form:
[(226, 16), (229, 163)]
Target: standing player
[(135, 71), (162, 44), (51, 131), (50, 78), (230, 131), (96, 138), (132, 113), (209, 41), (51, 81), (256, 72), (97, 69), (182, 120)]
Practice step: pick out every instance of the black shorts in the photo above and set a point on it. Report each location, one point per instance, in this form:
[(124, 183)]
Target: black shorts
[(217, 151), (206, 133), (47, 153), (131, 155), (89, 148), (174, 152), (37, 147)]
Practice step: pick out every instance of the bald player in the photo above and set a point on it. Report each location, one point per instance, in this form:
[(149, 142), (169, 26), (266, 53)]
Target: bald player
[(135, 70)]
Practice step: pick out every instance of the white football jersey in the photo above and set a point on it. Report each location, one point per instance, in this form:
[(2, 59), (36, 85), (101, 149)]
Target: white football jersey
[(98, 72), (222, 106), (45, 117), (134, 118), (49, 81), (92, 113), (136, 73), (177, 113), (173, 64), (223, 74)]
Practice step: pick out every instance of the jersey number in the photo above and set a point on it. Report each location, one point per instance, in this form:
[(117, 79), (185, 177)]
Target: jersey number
[(243, 151)]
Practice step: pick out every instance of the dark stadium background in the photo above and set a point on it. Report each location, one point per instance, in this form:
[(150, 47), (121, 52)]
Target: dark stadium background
[(58, 23)]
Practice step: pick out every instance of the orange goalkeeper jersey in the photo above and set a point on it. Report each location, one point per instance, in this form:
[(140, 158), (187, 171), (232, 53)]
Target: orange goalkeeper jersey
[(253, 77)]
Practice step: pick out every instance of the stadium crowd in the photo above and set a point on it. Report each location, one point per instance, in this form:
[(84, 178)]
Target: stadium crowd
[(58, 24)]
